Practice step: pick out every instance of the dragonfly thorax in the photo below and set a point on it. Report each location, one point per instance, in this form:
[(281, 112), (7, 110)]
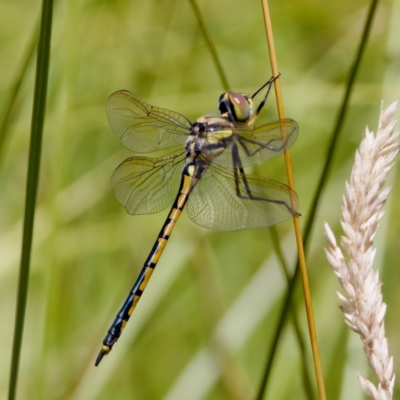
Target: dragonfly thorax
[(210, 137)]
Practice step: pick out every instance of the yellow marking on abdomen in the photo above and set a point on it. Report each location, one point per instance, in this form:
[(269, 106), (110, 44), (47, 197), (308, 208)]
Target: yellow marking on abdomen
[(105, 349), (161, 244), (174, 215), (181, 200), (146, 278), (134, 304), (168, 228), (187, 179)]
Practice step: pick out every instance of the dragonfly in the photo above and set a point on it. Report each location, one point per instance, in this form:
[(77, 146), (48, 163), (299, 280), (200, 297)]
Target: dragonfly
[(206, 173)]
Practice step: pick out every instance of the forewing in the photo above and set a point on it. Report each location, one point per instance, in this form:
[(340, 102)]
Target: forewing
[(144, 128), (259, 143), (215, 204), (146, 185)]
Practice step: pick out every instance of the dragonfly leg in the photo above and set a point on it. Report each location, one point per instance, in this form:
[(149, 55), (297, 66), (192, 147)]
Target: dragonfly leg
[(238, 169), (261, 145), (261, 105)]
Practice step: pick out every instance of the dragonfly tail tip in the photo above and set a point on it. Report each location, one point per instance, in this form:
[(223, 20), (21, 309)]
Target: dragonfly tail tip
[(99, 357)]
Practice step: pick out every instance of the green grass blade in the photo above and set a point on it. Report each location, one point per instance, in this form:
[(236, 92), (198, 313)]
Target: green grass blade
[(340, 120), (210, 45), (14, 90), (301, 341), (334, 380), (320, 187), (39, 104)]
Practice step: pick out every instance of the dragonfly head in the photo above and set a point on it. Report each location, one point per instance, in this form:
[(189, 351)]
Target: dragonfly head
[(235, 106)]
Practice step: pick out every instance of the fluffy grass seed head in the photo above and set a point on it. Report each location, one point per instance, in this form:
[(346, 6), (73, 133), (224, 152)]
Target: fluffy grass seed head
[(362, 303)]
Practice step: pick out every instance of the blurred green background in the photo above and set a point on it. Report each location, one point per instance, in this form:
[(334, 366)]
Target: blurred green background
[(204, 326)]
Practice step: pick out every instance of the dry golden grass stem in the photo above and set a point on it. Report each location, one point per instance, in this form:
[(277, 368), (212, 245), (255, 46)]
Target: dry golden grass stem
[(299, 239)]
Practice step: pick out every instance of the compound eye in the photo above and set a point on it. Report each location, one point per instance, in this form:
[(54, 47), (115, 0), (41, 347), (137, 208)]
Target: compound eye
[(240, 106)]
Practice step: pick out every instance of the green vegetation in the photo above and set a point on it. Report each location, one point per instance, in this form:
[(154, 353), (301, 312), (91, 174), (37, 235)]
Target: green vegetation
[(204, 327)]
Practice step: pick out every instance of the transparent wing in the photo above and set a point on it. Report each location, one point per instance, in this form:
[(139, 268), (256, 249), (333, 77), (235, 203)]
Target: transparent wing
[(221, 202), (146, 185), (259, 143), (144, 128)]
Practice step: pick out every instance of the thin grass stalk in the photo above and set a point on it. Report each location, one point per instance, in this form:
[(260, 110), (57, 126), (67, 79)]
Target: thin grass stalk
[(320, 187), (362, 304), (39, 104), (210, 45), (299, 240), (340, 119), (14, 90), (308, 387)]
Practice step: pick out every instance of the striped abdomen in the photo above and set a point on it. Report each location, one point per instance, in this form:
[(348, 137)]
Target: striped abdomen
[(187, 184)]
